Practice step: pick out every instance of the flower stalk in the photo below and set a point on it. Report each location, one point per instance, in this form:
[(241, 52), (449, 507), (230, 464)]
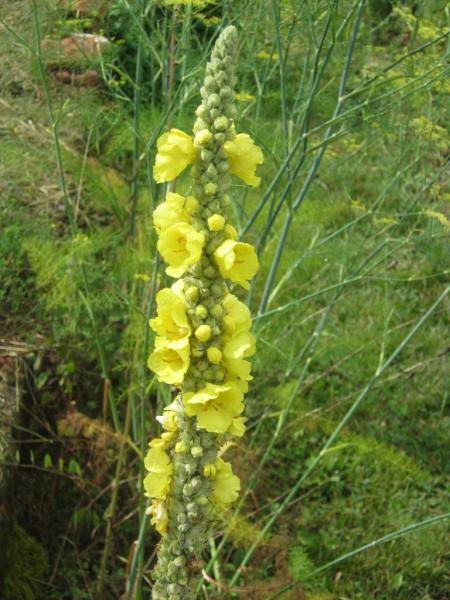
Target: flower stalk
[(203, 330)]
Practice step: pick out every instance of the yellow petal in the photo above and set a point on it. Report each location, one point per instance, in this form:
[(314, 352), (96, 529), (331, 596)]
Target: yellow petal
[(175, 209), (170, 360), (226, 485), (240, 345), (171, 321), (159, 516), (215, 406), (240, 369), (237, 315), (243, 157), (176, 151), (237, 261), (237, 426), (180, 246)]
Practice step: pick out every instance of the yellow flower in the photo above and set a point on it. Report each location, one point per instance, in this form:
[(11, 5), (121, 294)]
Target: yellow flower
[(215, 406), (237, 315), (175, 152), (162, 442), (237, 427), (226, 485), (180, 246), (237, 261), (158, 512), (168, 420), (263, 55), (170, 360), (240, 345), (239, 370), (157, 482), (243, 157), (171, 321), (175, 209), (244, 97)]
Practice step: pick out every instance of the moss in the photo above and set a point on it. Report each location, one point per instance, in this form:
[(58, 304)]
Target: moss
[(26, 564)]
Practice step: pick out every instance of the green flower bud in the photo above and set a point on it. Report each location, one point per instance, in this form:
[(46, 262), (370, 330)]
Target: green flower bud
[(210, 188), (180, 447), (210, 272), (223, 167), (210, 84), (201, 311), (217, 311), (213, 101), (199, 125), (202, 111), (192, 293), (197, 451), (226, 92), (221, 123), (206, 155), (211, 171), (219, 375), (203, 137), (220, 138)]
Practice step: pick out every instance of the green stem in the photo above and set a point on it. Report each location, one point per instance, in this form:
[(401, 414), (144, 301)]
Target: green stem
[(378, 542), (312, 465)]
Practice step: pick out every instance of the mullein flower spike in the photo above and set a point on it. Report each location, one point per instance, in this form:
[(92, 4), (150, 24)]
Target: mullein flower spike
[(203, 331)]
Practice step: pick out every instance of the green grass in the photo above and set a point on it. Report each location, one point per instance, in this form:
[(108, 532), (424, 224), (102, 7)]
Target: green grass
[(364, 259)]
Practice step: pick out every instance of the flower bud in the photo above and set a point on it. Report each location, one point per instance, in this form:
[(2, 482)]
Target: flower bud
[(203, 137), (180, 448), (203, 333), (213, 101), (226, 92), (214, 355), (202, 365), (220, 138), (196, 483), (221, 123), (217, 311), (207, 155), (210, 272), (197, 451), (219, 375), (199, 125), (201, 311), (210, 84), (210, 188), (202, 111), (192, 293), (223, 166), (216, 222)]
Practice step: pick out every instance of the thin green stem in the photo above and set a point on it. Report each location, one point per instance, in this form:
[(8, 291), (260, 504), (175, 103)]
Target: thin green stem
[(378, 542), (313, 464), (314, 168)]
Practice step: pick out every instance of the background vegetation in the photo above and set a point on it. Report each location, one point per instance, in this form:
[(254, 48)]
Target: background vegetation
[(348, 411)]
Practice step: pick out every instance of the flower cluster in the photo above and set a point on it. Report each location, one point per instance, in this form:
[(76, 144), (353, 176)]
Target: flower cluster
[(203, 339)]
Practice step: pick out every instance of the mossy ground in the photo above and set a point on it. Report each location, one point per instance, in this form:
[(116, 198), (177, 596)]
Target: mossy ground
[(376, 216)]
